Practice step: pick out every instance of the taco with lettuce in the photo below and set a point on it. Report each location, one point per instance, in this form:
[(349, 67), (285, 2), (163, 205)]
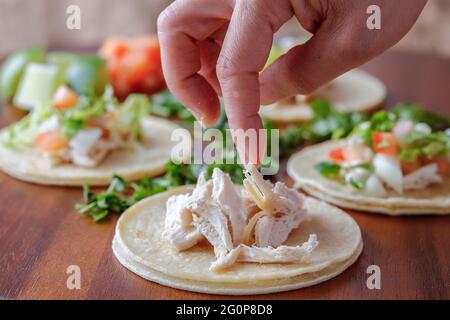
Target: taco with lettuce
[(77, 139), (396, 163)]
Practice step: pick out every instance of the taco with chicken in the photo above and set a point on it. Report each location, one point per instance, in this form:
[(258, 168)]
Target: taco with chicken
[(391, 164), (220, 238), (76, 140)]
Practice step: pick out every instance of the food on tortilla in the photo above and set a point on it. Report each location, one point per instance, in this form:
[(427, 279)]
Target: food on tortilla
[(215, 211), (388, 164), (75, 140), (353, 91), (218, 238)]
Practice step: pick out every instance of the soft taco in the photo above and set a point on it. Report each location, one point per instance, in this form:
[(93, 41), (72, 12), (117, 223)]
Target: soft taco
[(77, 140), (353, 91), (388, 165), (220, 238)]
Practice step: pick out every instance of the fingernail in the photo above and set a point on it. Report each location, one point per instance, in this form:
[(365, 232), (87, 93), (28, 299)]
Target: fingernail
[(200, 118)]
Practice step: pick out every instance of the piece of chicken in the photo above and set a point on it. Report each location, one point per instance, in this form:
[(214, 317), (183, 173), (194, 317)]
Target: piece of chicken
[(226, 196), (209, 218), (179, 229), (88, 148), (204, 210), (281, 254), (282, 210), (216, 211), (422, 178)]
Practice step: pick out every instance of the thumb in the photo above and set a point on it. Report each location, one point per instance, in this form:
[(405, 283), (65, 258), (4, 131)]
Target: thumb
[(306, 67)]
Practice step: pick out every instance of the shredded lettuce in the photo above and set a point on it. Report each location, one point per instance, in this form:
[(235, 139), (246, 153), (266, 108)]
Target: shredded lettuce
[(130, 114), (327, 123), (384, 121), (126, 121), (87, 108), (165, 104), (22, 133), (418, 144), (417, 114)]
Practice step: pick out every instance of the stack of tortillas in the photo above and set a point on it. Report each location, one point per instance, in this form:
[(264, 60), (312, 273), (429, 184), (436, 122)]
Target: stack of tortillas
[(353, 91), (140, 246)]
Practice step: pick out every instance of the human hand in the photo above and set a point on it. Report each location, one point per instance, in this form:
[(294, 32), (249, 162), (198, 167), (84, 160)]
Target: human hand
[(218, 47)]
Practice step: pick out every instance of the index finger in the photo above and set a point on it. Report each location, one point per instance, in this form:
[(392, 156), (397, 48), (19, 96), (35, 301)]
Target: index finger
[(244, 53)]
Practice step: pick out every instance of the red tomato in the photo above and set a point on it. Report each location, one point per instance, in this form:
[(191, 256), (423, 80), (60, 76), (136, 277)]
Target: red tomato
[(134, 65), (64, 98), (385, 142), (410, 166), (337, 155), (50, 141)]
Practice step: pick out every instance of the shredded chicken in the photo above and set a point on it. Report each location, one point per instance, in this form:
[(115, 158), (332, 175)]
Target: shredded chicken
[(283, 205), (225, 195), (88, 148), (179, 229), (280, 254), (227, 219), (422, 178), (209, 218)]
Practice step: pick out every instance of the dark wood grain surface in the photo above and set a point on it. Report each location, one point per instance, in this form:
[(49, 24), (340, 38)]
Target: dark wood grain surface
[(41, 234)]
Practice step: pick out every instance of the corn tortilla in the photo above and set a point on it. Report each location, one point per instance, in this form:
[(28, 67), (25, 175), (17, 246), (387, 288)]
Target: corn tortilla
[(353, 91), (140, 246), (141, 159), (433, 200)]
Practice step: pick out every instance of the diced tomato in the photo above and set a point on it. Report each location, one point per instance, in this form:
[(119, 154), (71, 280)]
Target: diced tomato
[(64, 98), (385, 142), (99, 123), (410, 166), (50, 141), (337, 155)]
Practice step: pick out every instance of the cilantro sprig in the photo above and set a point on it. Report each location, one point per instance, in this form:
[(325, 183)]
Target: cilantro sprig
[(165, 104), (122, 194), (326, 123)]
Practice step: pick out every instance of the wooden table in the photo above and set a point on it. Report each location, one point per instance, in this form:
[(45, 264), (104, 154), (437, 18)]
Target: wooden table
[(41, 234)]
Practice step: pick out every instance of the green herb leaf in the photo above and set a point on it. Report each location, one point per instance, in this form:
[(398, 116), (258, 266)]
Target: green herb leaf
[(70, 127), (121, 194), (165, 104), (357, 184), (328, 170)]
